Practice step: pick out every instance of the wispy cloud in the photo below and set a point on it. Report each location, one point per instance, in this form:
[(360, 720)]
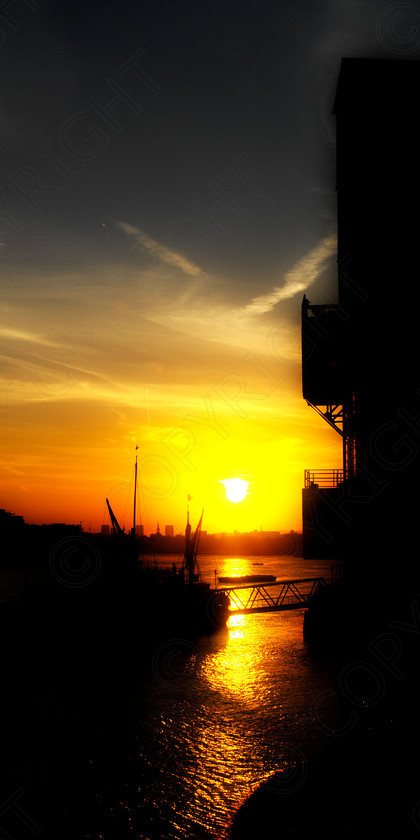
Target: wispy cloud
[(204, 311), (303, 274), (22, 335), (161, 251)]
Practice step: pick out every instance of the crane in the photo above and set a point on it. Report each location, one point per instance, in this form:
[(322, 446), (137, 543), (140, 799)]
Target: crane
[(116, 527)]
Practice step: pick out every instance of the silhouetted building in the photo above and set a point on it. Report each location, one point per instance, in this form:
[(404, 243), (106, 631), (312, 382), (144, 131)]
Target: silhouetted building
[(10, 521), (105, 530), (359, 356), (169, 530), (11, 530)]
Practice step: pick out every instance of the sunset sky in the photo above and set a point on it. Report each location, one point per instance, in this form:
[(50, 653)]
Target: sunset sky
[(167, 195)]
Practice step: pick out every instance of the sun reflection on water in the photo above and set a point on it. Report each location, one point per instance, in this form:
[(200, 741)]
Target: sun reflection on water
[(234, 669), (239, 667), (233, 746), (236, 625)]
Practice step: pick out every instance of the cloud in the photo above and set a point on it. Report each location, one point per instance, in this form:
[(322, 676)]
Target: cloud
[(22, 335), (161, 251), (73, 333), (303, 274)]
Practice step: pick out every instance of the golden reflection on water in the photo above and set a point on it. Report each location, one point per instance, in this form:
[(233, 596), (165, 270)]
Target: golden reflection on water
[(229, 763), (234, 668), (236, 624), (240, 666), (229, 777)]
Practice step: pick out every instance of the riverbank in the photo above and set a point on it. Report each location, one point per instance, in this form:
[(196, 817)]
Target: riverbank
[(364, 787), (68, 691)]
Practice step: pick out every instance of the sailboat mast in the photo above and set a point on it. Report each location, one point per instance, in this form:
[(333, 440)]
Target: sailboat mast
[(135, 496)]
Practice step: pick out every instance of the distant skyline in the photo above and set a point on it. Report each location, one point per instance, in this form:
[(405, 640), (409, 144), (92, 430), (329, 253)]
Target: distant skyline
[(167, 195)]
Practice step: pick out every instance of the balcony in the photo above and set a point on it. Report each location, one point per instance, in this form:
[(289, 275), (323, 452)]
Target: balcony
[(324, 353), (323, 478)]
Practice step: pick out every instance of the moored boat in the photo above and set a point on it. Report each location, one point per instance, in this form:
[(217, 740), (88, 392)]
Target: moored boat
[(176, 602), (240, 579), (205, 606)]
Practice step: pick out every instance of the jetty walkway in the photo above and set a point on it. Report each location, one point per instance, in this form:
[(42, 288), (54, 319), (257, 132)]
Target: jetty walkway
[(272, 596)]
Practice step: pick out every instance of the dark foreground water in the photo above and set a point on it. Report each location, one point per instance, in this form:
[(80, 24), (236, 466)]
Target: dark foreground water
[(218, 715)]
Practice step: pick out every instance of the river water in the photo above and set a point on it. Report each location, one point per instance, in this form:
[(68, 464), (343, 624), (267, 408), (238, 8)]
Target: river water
[(218, 715)]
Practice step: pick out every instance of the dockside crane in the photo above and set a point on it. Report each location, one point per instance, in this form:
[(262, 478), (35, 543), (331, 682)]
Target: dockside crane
[(116, 527)]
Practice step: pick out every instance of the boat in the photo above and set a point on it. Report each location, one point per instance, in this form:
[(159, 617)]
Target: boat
[(241, 579), (176, 601), (202, 607)]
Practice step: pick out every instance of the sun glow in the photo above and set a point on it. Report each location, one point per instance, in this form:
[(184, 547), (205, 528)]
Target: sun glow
[(236, 489)]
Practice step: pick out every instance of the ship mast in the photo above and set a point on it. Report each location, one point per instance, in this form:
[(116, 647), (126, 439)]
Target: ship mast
[(135, 496), (191, 547)]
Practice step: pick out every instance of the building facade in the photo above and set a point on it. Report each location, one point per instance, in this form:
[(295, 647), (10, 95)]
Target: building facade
[(360, 356)]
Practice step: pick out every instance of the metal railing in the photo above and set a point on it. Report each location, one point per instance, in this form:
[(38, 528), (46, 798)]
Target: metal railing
[(323, 478), (268, 597)]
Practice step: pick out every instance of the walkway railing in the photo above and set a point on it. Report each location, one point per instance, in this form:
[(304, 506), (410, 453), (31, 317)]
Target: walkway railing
[(323, 478), (269, 597)]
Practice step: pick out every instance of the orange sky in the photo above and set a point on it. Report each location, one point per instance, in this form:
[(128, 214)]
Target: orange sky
[(168, 194), (164, 205), (209, 388)]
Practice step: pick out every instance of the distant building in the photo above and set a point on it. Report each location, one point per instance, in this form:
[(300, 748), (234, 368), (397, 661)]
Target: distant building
[(263, 535), (169, 530), (140, 530), (10, 520), (105, 530)]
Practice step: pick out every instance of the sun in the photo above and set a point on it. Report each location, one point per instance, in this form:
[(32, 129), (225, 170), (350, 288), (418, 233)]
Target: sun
[(236, 489)]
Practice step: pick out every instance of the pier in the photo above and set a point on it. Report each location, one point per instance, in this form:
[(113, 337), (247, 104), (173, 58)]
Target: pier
[(270, 597)]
